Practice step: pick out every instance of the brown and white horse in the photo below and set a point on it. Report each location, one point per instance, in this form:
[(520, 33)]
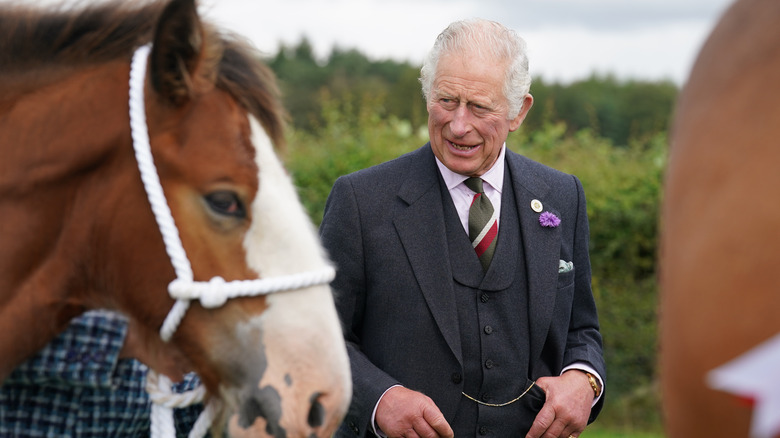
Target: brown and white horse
[(77, 230), (720, 245)]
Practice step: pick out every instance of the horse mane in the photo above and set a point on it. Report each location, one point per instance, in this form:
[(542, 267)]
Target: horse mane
[(34, 39)]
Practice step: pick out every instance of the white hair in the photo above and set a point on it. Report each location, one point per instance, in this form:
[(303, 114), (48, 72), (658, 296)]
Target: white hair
[(486, 40)]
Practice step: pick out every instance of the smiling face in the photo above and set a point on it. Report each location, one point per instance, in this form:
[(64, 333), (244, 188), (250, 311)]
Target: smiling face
[(468, 114)]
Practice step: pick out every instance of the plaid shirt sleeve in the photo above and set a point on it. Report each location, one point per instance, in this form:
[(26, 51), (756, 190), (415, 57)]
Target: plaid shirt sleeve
[(78, 387)]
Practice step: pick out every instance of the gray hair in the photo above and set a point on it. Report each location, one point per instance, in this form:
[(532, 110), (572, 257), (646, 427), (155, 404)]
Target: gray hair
[(487, 40)]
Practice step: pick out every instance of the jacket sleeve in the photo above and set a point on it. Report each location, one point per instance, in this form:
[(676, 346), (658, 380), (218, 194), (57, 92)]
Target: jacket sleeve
[(342, 237)]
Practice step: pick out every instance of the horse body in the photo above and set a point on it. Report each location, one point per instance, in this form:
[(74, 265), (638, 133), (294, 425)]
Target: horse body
[(721, 221), (78, 232)]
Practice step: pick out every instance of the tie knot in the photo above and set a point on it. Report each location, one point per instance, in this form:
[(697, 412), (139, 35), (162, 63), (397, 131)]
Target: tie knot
[(475, 184)]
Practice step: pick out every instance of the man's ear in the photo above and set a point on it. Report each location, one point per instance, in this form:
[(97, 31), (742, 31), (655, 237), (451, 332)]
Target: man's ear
[(528, 102)]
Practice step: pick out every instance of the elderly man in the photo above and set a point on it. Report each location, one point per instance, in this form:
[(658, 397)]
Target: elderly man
[(463, 270)]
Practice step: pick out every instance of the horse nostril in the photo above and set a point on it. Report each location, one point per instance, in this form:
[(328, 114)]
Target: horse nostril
[(265, 403), (317, 412)]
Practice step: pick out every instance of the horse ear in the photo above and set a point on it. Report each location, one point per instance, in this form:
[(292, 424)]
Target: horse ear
[(176, 51)]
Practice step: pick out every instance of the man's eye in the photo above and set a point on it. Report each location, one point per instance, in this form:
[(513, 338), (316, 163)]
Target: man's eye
[(448, 103), (479, 109)]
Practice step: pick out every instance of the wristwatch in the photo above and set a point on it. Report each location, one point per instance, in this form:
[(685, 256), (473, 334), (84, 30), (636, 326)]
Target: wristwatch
[(594, 383)]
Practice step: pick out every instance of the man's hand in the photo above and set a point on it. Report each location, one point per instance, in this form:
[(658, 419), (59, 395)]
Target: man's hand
[(567, 408), (405, 413)]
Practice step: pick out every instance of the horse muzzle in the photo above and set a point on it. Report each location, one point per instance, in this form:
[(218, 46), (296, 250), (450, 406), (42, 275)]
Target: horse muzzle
[(294, 372)]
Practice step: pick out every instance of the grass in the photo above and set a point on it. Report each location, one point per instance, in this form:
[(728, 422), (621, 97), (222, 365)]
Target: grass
[(598, 432)]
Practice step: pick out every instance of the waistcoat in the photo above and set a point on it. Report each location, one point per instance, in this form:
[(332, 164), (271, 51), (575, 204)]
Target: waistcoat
[(493, 321)]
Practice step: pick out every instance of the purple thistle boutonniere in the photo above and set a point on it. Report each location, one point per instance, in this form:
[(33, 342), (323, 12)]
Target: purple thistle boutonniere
[(549, 220)]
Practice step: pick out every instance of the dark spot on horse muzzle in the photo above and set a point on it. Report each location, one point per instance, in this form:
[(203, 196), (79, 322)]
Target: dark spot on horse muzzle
[(316, 412), (266, 403)]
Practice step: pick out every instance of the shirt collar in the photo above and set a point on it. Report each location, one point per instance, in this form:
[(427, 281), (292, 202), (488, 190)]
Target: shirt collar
[(494, 176)]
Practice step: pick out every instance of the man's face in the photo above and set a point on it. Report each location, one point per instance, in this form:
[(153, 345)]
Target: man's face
[(467, 114)]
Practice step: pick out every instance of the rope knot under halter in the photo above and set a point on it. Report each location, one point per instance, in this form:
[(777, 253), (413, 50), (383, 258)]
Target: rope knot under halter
[(189, 290)]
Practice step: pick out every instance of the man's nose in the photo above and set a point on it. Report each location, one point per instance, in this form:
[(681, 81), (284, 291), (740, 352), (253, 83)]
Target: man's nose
[(461, 121)]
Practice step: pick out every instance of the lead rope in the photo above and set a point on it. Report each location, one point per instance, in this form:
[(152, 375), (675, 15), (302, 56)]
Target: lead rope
[(164, 400), (184, 289)]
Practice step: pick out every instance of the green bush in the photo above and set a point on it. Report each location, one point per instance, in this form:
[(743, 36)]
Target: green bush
[(623, 188), (343, 145)]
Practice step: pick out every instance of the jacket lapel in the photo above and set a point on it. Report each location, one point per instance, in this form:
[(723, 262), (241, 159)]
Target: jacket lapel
[(542, 250), (420, 227)]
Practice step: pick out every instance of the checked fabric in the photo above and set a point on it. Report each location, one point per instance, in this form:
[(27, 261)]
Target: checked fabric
[(483, 224)]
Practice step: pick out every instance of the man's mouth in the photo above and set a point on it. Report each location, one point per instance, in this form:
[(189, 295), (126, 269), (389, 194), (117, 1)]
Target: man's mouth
[(462, 147)]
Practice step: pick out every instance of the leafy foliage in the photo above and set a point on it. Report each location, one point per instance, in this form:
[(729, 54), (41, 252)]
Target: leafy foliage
[(623, 188), (618, 111), (349, 77), (343, 145)]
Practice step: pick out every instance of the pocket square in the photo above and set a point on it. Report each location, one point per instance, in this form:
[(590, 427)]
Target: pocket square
[(564, 266)]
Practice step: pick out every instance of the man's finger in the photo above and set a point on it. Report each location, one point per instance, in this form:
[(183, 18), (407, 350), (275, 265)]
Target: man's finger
[(544, 419), (436, 420)]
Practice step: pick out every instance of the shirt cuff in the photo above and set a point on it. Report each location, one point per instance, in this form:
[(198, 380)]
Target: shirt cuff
[(588, 369), (377, 430)]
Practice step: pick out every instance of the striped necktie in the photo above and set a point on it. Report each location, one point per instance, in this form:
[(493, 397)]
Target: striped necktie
[(483, 226)]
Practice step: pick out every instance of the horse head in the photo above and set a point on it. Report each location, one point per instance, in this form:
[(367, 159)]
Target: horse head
[(212, 119)]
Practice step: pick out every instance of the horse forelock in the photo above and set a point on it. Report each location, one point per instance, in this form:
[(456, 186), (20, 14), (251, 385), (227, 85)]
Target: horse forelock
[(59, 38), (253, 84)]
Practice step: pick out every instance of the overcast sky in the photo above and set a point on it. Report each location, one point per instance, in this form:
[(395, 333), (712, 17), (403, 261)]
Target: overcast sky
[(567, 39)]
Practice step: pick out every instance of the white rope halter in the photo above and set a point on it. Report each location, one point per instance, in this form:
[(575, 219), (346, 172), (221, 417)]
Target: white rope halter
[(184, 288)]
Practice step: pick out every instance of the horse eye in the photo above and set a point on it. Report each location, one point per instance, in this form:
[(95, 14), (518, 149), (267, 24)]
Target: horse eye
[(226, 203)]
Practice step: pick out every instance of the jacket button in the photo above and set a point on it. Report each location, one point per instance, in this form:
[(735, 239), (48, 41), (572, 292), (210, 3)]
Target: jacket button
[(483, 430), (489, 364), (456, 378), (488, 329), (484, 298)]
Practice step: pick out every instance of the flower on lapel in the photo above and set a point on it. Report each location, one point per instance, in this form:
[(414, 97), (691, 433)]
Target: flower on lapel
[(549, 220)]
